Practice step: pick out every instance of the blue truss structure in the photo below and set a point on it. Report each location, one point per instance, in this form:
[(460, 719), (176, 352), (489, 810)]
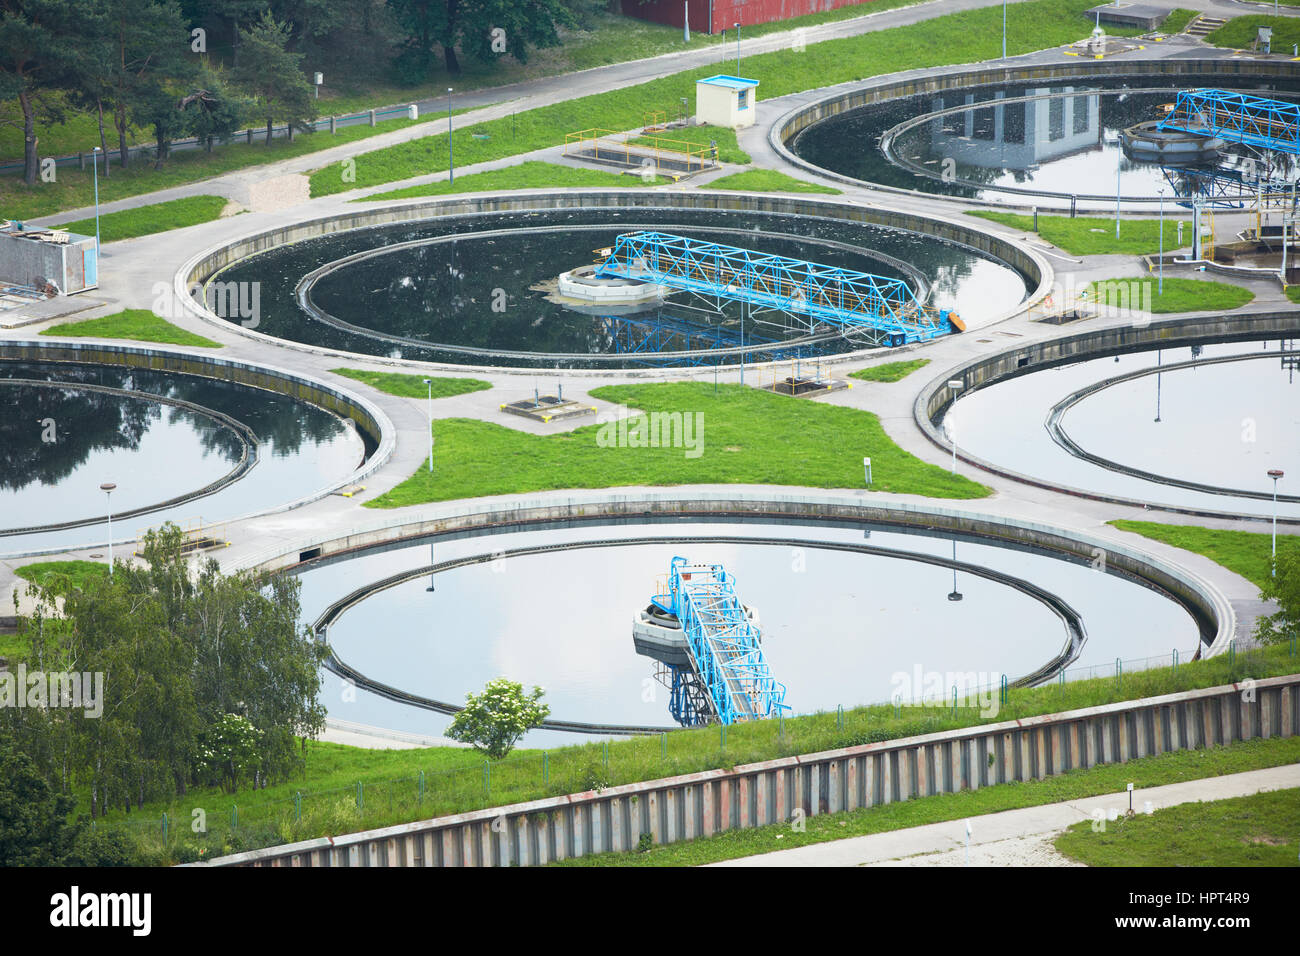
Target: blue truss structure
[(885, 311), (1223, 187), (1237, 118), (644, 336), (724, 644)]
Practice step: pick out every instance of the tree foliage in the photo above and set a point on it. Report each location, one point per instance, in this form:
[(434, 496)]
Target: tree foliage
[(1284, 587), (493, 721)]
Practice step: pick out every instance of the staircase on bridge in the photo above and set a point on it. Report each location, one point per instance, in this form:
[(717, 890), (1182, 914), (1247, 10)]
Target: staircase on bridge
[(725, 654), (884, 311)]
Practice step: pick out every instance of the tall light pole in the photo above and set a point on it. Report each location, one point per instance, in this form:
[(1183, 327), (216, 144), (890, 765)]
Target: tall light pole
[(1275, 474), (956, 385), (451, 159), (94, 165), (107, 488), (1119, 165), (737, 26), (1160, 287), (429, 382), (686, 22)]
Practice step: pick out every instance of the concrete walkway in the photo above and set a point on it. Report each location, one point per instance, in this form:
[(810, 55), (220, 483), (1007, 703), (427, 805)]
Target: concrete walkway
[(1014, 836)]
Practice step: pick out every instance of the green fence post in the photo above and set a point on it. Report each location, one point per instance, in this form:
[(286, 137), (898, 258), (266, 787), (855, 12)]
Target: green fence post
[(1119, 672), (1004, 692), (605, 754), (663, 746), (898, 708), (420, 788), (297, 806), (781, 721), (546, 768), (361, 796), (1174, 669), (487, 786), (839, 716), (234, 816), (1232, 654), (164, 827)]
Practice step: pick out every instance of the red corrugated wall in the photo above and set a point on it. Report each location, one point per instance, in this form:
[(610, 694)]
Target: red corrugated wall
[(726, 12)]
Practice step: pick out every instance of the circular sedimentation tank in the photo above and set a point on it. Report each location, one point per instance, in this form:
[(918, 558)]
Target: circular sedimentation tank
[(1053, 144), (847, 610), (179, 448), (482, 289)]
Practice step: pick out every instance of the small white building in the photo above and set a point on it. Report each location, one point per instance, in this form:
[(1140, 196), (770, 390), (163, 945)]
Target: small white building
[(729, 101)]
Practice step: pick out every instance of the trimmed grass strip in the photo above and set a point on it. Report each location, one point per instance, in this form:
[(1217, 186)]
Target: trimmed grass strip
[(140, 325)]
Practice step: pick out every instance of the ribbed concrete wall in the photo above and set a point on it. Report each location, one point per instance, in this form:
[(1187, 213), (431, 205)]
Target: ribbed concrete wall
[(702, 804)]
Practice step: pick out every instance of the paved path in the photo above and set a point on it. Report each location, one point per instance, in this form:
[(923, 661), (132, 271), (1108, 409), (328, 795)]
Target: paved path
[(1014, 837)]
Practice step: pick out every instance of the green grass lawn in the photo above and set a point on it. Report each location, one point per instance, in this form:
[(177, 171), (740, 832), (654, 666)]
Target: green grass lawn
[(746, 436), (1074, 784), (1177, 20), (965, 37), (138, 324), (146, 220), (1293, 293), (1239, 32), (1247, 553), (412, 386), (768, 181), (1187, 295), (58, 574), (459, 780), (74, 188), (530, 175), (1093, 235), (1259, 830), (890, 371)]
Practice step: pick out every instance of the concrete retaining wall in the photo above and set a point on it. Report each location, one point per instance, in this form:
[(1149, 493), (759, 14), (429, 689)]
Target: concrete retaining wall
[(702, 804)]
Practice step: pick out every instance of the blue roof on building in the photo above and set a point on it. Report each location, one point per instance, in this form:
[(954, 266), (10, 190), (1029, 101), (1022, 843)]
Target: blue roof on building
[(731, 82)]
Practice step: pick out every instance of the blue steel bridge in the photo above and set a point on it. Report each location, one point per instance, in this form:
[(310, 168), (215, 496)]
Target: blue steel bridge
[(881, 310), (1237, 118), (726, 660)]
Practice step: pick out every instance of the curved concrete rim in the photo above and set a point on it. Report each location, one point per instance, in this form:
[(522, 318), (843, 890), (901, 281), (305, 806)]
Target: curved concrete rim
[(1083, 346), (1071, 621), (963, 77), (1208, 606), (180, 362), (200, 267), (248, 456), (1056, 428)]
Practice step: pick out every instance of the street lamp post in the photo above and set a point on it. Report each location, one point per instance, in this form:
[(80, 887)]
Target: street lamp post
[(686, 22), (94, 165), (1275, 474), (1160, 286), (451, 158), (737, 26), (107, 488), (429, 382), (1119, 166), (956, 385)]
